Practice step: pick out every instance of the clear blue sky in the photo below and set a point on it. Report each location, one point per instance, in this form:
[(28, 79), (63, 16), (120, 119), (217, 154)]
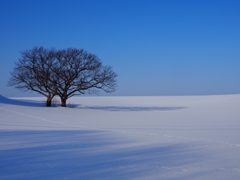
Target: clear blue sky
[(157, 47)]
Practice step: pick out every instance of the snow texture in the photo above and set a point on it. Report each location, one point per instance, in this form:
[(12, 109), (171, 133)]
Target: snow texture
[(178, 137)]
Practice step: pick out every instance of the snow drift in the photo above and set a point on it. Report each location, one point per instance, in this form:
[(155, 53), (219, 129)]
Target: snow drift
[(180, 137)]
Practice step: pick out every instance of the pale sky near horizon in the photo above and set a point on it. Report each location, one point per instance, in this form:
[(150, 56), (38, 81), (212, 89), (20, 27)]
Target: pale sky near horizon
[(157, 47)]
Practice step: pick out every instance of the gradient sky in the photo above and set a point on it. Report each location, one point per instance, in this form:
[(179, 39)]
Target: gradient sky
[(157, 47)]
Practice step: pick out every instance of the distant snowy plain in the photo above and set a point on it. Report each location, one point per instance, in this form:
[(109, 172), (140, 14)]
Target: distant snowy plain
[(142, 138)]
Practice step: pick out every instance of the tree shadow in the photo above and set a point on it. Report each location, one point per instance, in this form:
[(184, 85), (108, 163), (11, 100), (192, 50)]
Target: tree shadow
[(128, 108), (32, 103)]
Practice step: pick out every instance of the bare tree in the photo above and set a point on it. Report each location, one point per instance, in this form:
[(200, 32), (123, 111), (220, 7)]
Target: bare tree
[(79, 72), (64, 73), (33, 72)]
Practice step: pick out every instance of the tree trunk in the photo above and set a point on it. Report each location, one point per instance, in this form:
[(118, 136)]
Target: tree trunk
[(49, 101), (63, 100)]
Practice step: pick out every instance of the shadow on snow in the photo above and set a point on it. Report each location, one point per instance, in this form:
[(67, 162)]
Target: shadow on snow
[(31, 103), (126, 108), (89, 155), (34, 103)]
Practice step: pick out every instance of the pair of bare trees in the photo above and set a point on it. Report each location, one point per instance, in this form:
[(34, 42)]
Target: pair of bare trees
[(65, 73)]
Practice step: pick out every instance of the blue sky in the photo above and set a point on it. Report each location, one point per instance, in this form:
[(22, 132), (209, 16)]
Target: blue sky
[(157, 47)]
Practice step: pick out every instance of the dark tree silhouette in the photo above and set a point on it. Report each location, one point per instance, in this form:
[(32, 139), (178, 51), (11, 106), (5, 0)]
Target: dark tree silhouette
[(33, 73), (65, 73), (79, 72)]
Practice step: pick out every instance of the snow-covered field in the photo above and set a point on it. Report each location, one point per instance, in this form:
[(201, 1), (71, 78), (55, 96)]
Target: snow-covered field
[(178, 137)]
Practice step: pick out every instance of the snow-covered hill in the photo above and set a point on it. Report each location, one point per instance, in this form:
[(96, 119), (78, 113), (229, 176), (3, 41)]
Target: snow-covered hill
[(178, 137)]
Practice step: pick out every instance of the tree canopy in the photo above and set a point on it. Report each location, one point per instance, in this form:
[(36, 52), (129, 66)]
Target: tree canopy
[(65, 73)]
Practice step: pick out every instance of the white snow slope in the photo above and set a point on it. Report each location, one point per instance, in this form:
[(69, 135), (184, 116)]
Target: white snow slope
[(178, 137)]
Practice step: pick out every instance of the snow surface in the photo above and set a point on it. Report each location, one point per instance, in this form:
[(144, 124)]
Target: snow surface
[(178, 137)]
